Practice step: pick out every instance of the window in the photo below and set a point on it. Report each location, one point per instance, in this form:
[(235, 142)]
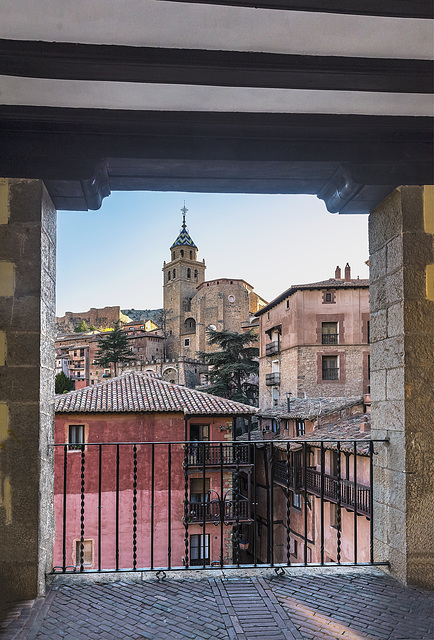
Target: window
[(287, 304), (186, 342), (296, 501), (300, 428), (368, 331), (329, 333), (168, 275), (199, 549), (330, 368), (275, 425), (199, 432), (174, 274), (328, 297), (87, 553), (196, 490), (334, 464), (275, 366), (188, 273), (75, 436), (182, 253), (293, 547), (275, 397), (191, 255), (195, 274)]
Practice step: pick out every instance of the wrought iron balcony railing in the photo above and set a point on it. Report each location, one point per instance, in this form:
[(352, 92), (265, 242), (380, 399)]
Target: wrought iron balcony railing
[(200, 453), (125, 506), (272, 379), (334, 489), (212, 511), (272, 348)]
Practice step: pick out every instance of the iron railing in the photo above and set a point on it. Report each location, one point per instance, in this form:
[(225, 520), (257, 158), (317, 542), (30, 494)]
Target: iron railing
[(330, 338), (346, 488), (226, 454), (272, 348), (126, 506), (217, 511), (331, 373)]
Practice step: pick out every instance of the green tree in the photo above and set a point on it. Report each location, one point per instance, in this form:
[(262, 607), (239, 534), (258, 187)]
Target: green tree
[(62, 383), (233, 369), (82, 327), (113, 348)]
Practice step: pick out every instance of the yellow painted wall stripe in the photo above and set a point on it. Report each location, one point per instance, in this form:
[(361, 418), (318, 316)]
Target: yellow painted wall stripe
[(7, 279)]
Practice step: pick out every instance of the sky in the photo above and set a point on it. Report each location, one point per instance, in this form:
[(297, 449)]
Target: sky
[(114, 256)]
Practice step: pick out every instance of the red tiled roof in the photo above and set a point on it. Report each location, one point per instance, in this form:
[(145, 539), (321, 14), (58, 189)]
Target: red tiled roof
[(138, 392)]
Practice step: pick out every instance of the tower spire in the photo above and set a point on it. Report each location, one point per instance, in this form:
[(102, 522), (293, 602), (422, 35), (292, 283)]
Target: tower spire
[(184, 211)]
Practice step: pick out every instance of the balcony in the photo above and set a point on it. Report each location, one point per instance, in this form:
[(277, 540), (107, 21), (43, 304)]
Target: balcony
[(272, 379), (272, 348), (234, 511), (199, 454), (335, 489)]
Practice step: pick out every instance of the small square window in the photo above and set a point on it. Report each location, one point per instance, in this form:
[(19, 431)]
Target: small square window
[(75, 436), (87, 553), (186, 342)]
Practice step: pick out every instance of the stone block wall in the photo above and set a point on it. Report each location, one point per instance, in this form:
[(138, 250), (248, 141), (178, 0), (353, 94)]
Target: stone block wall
[(401, 235), (27, 362)]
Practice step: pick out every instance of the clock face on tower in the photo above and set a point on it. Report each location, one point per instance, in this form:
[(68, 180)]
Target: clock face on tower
[(231, 298)]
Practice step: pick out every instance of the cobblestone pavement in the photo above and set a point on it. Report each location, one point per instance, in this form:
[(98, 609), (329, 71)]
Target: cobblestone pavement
[(289, 607)]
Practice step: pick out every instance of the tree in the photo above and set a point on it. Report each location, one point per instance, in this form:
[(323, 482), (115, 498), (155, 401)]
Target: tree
[(234, 369), (113, 348), (62, 383), (82, 327)]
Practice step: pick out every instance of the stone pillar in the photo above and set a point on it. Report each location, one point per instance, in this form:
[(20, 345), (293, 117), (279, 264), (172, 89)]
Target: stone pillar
[(27, 315), (401, 232)]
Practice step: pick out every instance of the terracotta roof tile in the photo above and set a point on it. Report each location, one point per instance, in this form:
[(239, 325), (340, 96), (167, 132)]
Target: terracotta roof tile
[(310, 408), (139, 392)]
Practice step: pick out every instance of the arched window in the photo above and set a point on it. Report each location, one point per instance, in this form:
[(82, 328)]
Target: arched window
[(174, 273), (191, 255), (188, 273), (182, 253), (190, 325), (168, 275), (195, 274)]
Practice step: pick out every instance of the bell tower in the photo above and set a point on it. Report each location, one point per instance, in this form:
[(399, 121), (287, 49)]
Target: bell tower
[(182, 275)]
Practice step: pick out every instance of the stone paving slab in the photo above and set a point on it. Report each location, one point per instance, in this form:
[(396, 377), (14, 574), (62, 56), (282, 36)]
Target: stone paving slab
[(289, 607)]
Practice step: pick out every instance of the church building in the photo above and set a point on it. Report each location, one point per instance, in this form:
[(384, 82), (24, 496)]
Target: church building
[(193, 304)]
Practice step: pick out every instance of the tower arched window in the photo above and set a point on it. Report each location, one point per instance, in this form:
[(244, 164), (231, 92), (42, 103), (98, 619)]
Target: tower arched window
[(188, 273), (195, 274), (190, 325), (168, 275), (191, 255), (182, 253), (174, 273)]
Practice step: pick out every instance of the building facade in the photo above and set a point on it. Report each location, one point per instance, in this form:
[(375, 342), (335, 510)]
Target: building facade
[(167, 498), (314, 341)]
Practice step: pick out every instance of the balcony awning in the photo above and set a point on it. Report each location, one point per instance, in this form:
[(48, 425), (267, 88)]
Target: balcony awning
[(277, 327)]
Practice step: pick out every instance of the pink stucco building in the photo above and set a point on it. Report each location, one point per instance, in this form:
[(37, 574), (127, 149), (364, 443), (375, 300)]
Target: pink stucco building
[(125, 505)]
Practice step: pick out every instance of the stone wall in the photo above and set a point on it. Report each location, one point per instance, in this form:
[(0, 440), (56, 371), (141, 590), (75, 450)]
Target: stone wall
[(27, 313), (100, 318)]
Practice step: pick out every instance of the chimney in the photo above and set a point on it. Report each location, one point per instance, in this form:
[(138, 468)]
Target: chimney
[(338, 273), (347, 272)]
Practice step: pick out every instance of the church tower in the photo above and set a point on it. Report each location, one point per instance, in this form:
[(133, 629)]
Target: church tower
[(182, 275)]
